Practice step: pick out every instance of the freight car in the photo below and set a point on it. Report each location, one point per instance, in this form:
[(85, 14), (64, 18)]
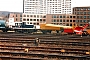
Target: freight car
[(20, 28), (3, 26), (48, 28), (44, 28), (58, 28), (24, 28)]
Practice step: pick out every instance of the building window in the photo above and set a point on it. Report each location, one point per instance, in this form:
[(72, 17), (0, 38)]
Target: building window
[(67, 24), (73, 16), (40, 19), (41, 16), (16, 15), (27, 15), (24, 15), (70, 16), (88, 20), (54, 20), (27, 22), (60, 16), (34, 19), (20, 15), (37, 23), (57, 16), (16, 19), (77, 12), (24, 19), (34, 15), (81, 12), (34, 23), (37, 16), (80, 17), (84, 21), (77, 16), (63, 20), (30, 19), (37, 19), (77, 20), (70, 24), (44, 20), (31, 16), (57, 20), (84, 17), (30, 23), (27, 19), (54, 16), (60, 20), (67, 16), (44, 16), (63, 16), (70, 20), (78, 8), (84, 12), (88, 12), (84, 8), (20, 19), (67, 20), (80, 20), (89, 16), (88, 8), (73, 20), (81, 24)]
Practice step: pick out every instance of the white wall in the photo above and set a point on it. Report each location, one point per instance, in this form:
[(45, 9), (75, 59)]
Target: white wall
[(11, 22)]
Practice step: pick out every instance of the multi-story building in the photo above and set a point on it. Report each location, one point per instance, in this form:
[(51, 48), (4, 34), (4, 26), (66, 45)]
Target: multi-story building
[(15, 19), (62, 19), (82, 15), (35, 19), (47, 6), (58, 19)]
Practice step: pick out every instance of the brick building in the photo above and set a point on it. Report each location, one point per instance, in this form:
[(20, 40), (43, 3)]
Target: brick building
[(82, 15), (35, 19), (15, 19), (58, 19), (61, 19)]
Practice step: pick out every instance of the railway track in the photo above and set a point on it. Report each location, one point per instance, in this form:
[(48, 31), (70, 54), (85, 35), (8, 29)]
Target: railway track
[(51, 47)]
